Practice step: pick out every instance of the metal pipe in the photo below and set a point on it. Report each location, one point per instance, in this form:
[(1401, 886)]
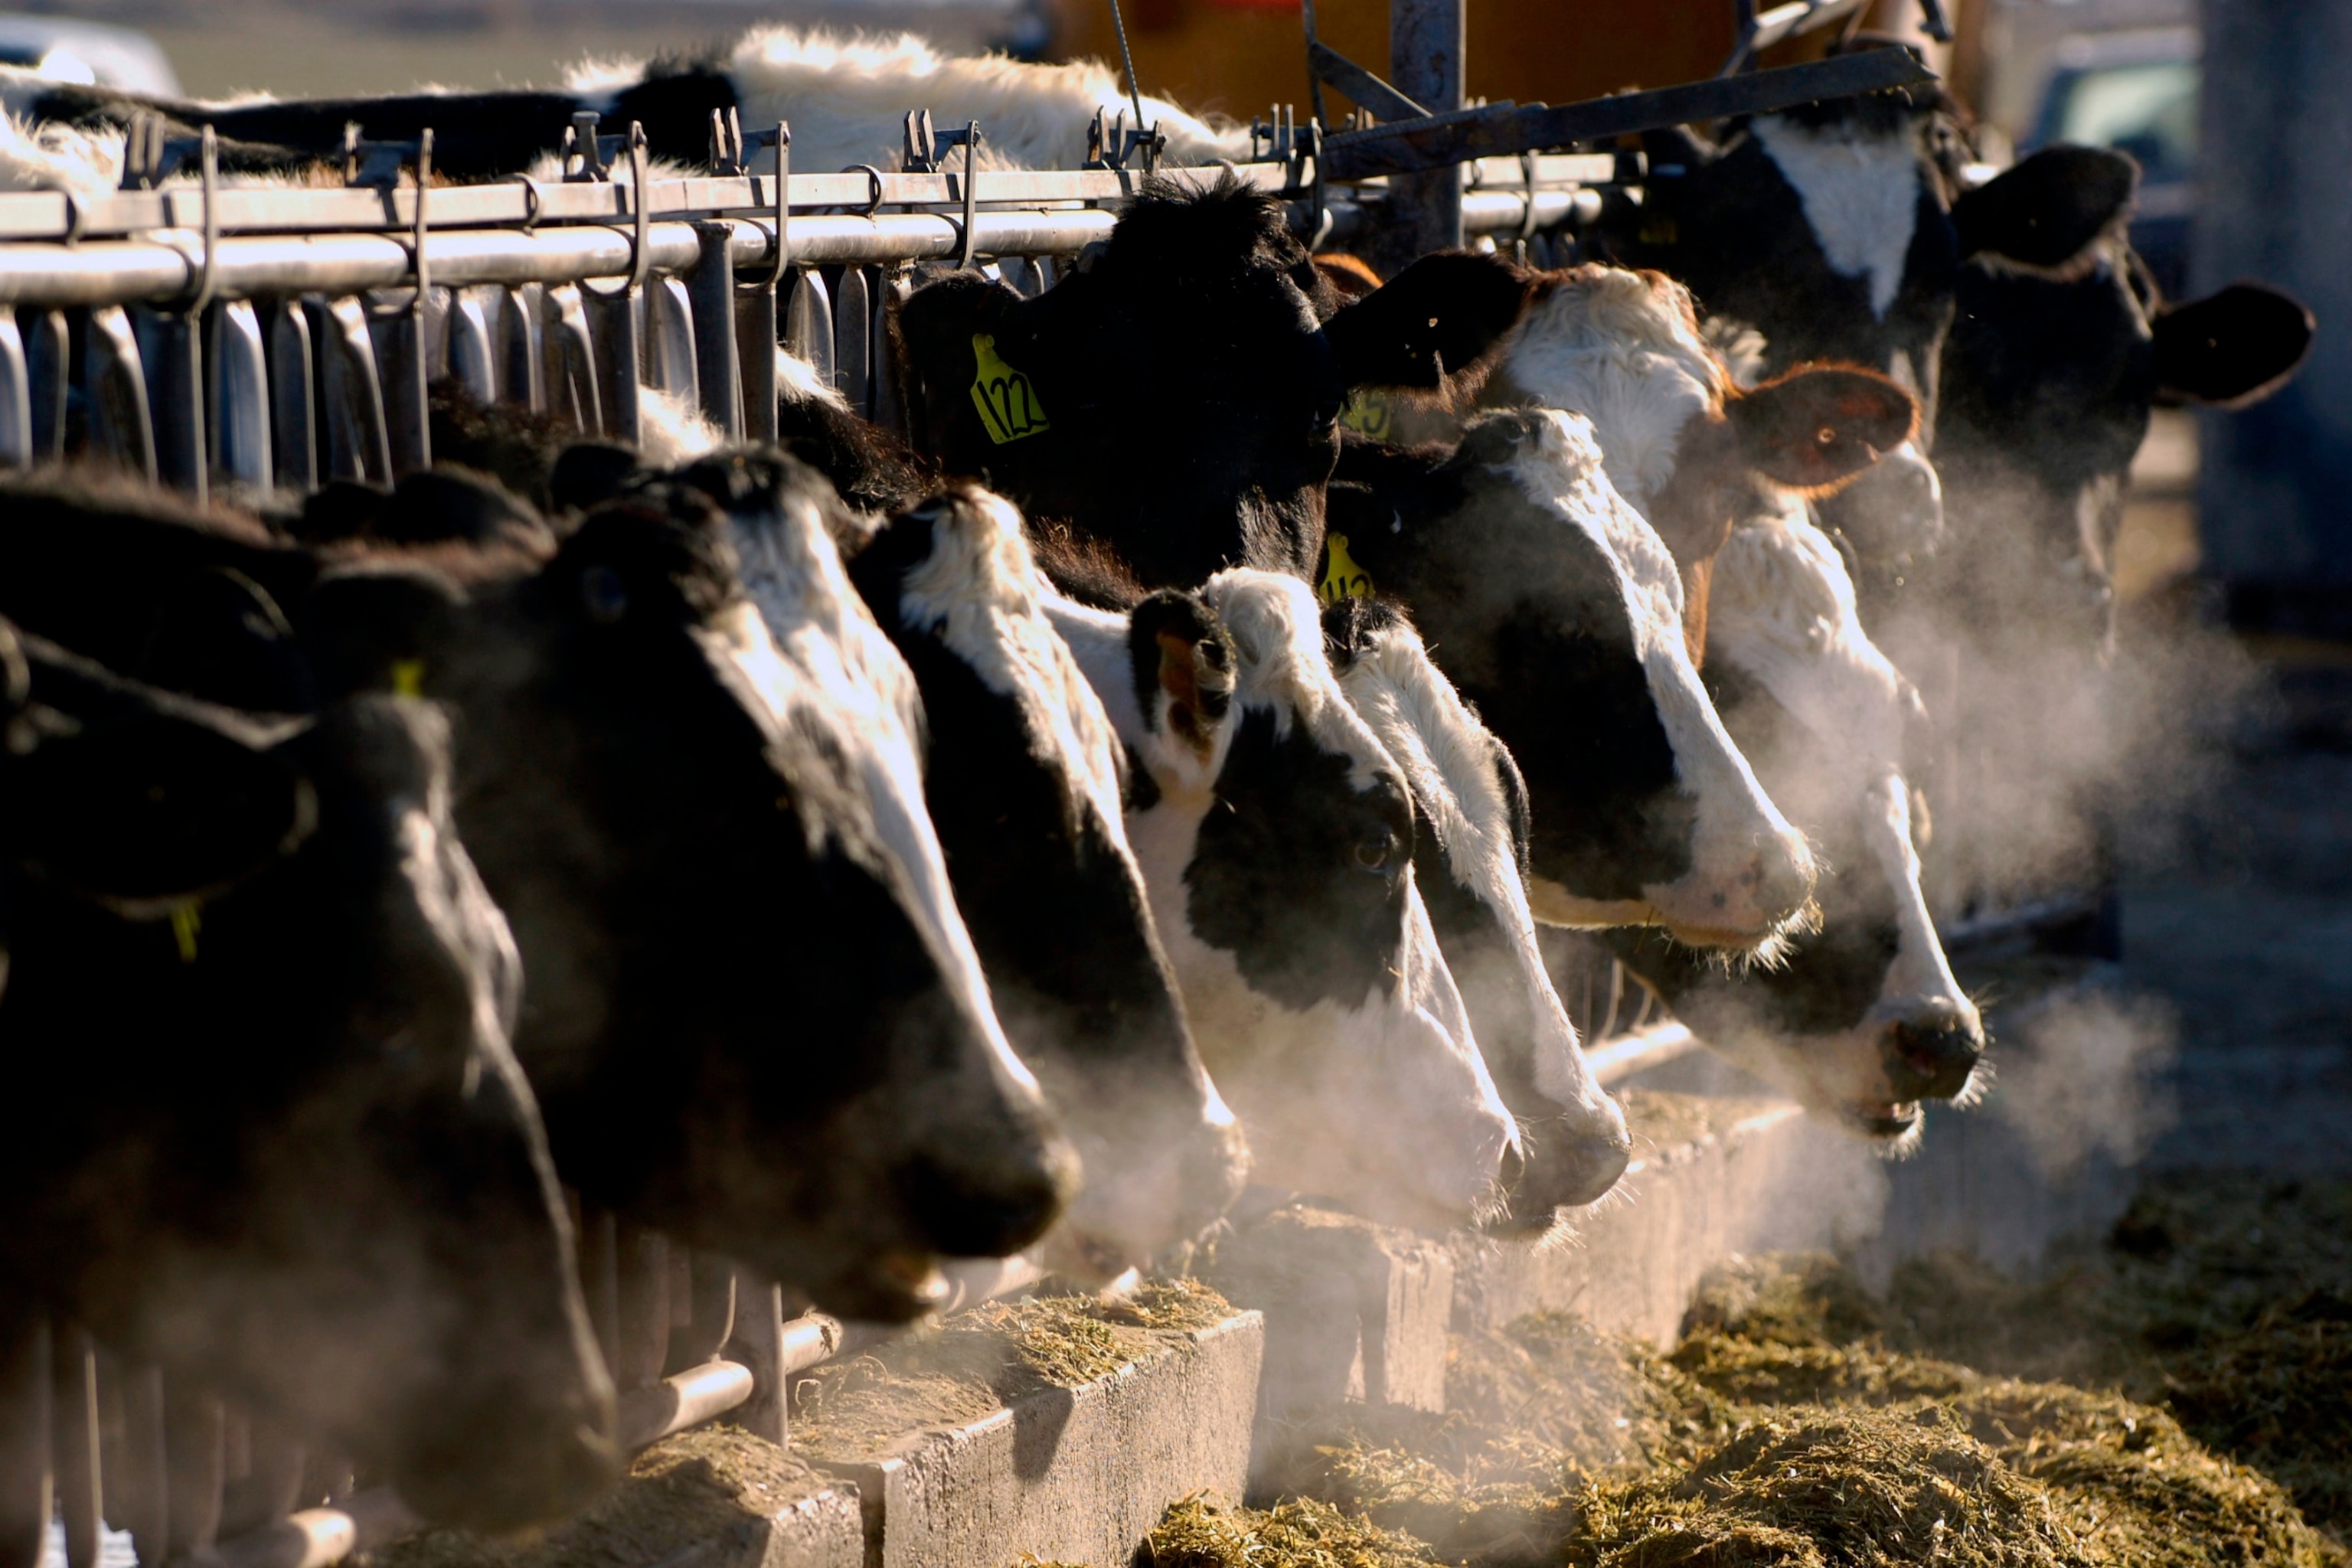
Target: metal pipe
[(316, 1537), (650, 1413), (1426, 42)]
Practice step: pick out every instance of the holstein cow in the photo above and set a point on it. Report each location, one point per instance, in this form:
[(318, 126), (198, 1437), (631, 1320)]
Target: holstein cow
[(258, 1005), (1862, 1017), (1176, 397), (1277, 838), (1024, 795), (1470, 866), (846, 98), (1558, 615), (2061, 347), (1827, 229), (746, 1021)]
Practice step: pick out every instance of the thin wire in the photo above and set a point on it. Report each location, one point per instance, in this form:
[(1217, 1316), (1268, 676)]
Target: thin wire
[(1134, 93)]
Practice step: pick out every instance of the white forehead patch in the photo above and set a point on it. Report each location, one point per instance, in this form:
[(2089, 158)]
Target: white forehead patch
[(1278, 632), (1562, 471), (977, 592), (1860, 192), (1618, 348)]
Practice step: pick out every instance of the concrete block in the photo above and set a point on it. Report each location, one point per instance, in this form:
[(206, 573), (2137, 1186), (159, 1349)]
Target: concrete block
[(1069, 1475), (1354, 1310)]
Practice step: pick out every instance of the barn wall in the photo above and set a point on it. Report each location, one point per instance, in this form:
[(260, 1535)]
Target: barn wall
[(2276, 491)]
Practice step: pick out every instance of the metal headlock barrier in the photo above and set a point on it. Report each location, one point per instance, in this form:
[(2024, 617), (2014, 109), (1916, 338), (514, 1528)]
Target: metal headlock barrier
[(261, 337)]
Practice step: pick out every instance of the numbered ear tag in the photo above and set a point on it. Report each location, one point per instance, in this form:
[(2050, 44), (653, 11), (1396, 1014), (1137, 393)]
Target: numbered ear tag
[(187, 920), (408, 677), (1367, 413), (1342, 578), (1007, 402)]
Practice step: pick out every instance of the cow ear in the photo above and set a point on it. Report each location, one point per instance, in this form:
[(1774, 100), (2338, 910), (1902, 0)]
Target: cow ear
[(1180, 652), (383, 628), (2047, 208), (2231, 348), (144, 811), (1817, 426), (1434, 320), (587, 474)]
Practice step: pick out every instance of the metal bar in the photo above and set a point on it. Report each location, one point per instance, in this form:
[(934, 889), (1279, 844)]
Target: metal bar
[(472, 362), (193, 1446), (175, 408), (1370, 93), (522, 372), (1614, 1060), (808, 319), (644, 1307), (79, 1465), (48, 360), (117, 272), (889, 393), (272, 1484), (141, 1480), (240, 413), (719, 379), (293, 398), (853, 342), (599, 1275), (318, 1537), (571, 359), (651, 1413), (712, 1289), (755, 340), (619, 354), (358, 444), (120, 426), (1442, 140), (758, 1343), (26, 1468), (1426, 42), (16, 396), (672, 360)]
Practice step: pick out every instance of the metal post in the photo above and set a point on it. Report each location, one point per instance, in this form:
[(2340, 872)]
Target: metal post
[(713, 298), (1426, 43), (16, 396), (293, 401), (79, 1465)]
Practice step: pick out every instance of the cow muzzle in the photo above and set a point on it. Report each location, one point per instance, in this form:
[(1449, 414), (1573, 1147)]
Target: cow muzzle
[(1932, 1053)]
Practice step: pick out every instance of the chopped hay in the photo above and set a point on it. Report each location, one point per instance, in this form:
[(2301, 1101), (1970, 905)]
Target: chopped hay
[(698, 1486), (1298, 1533), (1662, 1122), (977, 1361)]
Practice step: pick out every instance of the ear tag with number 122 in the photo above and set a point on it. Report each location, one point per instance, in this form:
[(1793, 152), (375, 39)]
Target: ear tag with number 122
[(1007, 402)]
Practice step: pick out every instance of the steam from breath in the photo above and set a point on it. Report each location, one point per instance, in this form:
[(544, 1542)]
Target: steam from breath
[(2085, 1072)]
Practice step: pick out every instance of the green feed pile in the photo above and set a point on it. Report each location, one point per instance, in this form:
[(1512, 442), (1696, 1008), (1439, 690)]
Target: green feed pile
[(2175, 1397)]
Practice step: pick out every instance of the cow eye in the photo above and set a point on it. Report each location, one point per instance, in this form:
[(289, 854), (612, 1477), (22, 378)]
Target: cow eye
[(1825, 436), (604, 595), (1376, 851), (1325, 414)]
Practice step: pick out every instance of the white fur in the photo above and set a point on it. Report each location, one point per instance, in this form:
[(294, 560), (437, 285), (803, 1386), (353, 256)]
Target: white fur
[(813, 652), (797, 381), (1385, 1103), (1784, 613), (1561, 472), (1623, 350), (1860, 192), (671, 430), (1450, 758), (85, 165), (846, 98)]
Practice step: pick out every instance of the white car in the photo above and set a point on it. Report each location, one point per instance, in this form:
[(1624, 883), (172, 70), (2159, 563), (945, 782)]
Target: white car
[(91, 53)]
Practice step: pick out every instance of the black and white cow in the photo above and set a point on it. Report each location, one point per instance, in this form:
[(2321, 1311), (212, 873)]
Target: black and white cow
[(1827, 229), (1470, 862), (1860, 1018), (1176, 397), (846, 98), (1558, 615), (274, 1136), (2061, 347), (1277, 838), (748, 1023), (1024, 789)]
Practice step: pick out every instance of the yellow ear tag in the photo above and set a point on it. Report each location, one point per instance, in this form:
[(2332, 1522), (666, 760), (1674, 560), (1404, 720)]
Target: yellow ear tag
[(1342, 578), (1007, 402), (408, 677), (186, 921), (1367, 413)]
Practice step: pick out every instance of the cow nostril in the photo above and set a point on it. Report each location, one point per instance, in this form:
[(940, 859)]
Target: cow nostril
[(1932, 1058), (1512, 1170)]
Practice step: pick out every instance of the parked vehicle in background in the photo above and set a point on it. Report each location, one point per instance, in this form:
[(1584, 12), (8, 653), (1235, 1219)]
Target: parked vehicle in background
[(2134, 91), (91, 53)]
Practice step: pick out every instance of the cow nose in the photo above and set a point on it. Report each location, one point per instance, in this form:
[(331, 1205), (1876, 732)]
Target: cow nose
[(985, 1213), (1564, 1166), (1215, 1168), (1783, 880), (1930, 1055)]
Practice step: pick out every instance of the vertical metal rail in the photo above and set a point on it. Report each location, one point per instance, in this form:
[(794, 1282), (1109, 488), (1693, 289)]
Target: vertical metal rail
[(16, 396), (1426, 44), (719, 381)]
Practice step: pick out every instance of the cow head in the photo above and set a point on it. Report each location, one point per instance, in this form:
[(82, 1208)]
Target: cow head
[(1558, 611), (1276, 838), (754, 1018), (2061, 349), (1861, 1018), (1694, 453), (1470, 868), (286, 1151), (1025, 788), (1178, 395)]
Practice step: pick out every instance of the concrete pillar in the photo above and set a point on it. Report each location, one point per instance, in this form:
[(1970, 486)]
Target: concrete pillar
[(1426, 42), (2275, 206)]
